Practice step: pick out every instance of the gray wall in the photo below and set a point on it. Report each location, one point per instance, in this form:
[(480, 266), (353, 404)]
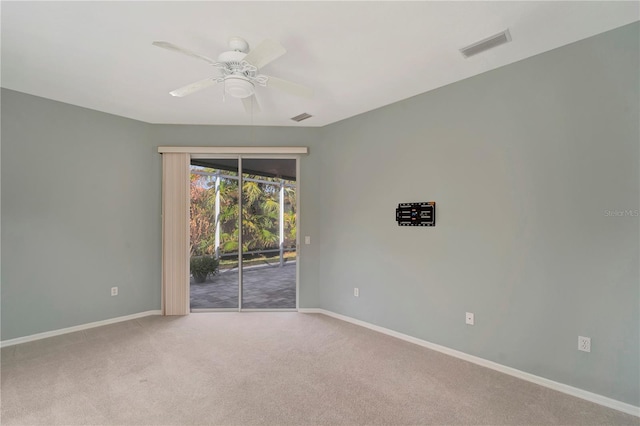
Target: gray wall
[(523, 162), (81, 194), (80, 214)]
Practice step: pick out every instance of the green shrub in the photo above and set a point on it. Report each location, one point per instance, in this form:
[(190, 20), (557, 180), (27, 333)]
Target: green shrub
[(202, 266)]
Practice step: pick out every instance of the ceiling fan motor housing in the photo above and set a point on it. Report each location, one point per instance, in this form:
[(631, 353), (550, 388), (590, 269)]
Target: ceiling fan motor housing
[(231, 56)]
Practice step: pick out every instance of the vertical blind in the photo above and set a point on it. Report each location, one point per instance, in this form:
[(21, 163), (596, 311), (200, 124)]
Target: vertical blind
[(175, 233)]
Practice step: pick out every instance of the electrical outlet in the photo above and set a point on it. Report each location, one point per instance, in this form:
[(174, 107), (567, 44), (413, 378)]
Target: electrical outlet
[(356, 292), (114, 291), (469, 318), (307, 239), (584, 344)]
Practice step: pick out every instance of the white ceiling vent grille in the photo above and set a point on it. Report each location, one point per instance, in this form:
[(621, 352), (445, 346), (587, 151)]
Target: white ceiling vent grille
[(301, 117), (486, 44)]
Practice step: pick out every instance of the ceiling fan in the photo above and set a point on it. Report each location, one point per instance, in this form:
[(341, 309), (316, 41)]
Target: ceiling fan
[(239, 71)]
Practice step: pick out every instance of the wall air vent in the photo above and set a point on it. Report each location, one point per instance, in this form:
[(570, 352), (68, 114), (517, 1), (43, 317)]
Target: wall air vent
[(301, 117), (486, 44)]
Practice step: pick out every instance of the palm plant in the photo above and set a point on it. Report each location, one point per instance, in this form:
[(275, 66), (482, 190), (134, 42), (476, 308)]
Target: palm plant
[(260, 212)]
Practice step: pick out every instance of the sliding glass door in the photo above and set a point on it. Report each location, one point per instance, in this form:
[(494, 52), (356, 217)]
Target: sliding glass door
[(214, 216), (243, 224), (268, 233)]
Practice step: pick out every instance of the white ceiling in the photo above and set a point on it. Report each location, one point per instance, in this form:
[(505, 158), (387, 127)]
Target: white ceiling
[(357, 56)]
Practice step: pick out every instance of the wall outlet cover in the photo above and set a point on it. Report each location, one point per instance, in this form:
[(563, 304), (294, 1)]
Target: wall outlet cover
[(584, 344), (469, 318)]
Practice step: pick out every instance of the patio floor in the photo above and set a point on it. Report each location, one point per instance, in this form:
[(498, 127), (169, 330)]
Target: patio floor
[(265, 287)]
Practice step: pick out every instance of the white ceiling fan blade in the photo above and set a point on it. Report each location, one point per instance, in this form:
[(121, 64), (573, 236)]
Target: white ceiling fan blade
[(250, 104), (290, 87), (173, 47), (266, 52), (193, 87)]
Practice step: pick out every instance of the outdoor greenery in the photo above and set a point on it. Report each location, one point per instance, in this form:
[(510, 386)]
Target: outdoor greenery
[(202, 266), (260, 211)]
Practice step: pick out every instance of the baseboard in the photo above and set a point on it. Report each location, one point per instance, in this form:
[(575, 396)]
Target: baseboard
[(58, 332), (560, 387)]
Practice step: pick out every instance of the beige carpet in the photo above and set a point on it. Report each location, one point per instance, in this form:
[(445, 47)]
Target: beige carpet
[(265, 368)]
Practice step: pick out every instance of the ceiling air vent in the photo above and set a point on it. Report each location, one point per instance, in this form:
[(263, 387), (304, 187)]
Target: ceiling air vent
[(486, 44), (301, 117)]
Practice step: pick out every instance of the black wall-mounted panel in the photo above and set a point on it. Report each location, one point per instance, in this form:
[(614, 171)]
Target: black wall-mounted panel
[(416, 214)]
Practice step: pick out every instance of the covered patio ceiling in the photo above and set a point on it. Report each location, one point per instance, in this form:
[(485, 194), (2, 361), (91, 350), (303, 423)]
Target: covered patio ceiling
[(281, 168)]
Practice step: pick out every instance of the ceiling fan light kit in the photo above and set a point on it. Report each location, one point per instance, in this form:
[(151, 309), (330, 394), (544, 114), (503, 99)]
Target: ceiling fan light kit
[(238, 87), (239, 70)]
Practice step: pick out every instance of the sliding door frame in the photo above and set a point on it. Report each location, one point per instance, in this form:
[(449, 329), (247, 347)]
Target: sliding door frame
[(250, 153)]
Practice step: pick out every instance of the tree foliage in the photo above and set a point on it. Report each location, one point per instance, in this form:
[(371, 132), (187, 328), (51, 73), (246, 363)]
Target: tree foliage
[(260, 212)]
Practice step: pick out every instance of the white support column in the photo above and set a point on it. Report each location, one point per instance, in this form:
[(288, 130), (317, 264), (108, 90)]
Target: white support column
[(217, 241), (281, 224), (240, 228)]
